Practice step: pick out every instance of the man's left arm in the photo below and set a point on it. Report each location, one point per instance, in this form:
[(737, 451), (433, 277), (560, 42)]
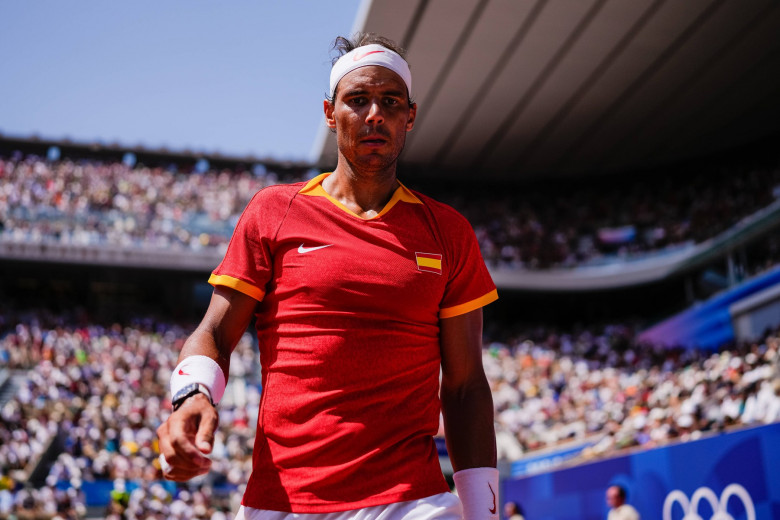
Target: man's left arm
[(467, 406)]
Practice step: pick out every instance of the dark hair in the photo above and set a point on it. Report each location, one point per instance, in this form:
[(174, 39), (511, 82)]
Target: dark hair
[(342, 46), (621, 491)]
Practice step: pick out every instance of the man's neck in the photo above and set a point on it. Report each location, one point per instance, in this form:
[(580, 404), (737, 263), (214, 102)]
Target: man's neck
[(365, 194)]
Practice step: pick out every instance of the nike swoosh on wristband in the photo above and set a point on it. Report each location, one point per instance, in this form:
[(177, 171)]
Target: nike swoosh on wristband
[(358, 57), (182, 372), (493, 509), (303, 250)]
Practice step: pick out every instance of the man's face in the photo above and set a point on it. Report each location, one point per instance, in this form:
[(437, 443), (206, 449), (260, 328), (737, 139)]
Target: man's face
[(371, 115), (613, 497)]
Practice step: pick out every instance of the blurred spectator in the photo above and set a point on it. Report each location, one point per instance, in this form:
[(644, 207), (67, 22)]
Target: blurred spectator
[(513, 511), (618, 508)]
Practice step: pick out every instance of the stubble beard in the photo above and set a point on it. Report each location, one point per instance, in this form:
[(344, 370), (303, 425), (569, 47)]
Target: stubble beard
[(374, 163)]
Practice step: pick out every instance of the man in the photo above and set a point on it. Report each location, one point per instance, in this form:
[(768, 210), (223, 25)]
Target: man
[(618, 509), (363, 291), (513, 511)]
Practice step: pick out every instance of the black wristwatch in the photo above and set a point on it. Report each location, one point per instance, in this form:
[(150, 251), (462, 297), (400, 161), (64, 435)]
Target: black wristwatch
[(188, 391)]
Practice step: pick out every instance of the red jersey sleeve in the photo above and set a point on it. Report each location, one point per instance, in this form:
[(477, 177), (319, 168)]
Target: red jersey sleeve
[(248, 262), (469, 285)]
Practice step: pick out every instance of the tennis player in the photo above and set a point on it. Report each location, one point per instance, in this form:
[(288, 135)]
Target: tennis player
[(368, 303)]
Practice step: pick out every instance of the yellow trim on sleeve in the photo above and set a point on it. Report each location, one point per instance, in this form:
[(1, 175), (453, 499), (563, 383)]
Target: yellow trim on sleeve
[(239, 285), (463, 308)]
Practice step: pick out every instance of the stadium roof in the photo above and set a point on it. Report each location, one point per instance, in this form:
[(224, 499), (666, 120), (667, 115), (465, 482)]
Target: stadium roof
[(511, 89)]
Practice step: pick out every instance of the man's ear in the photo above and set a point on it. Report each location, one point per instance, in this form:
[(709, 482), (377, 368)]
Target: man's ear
[(412, 115), (328, 109)]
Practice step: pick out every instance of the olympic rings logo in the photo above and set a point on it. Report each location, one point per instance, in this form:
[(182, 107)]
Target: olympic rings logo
[(691, 508)]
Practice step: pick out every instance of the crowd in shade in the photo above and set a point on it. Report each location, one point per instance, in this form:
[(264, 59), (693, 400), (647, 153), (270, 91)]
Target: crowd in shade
[(89, 202), (101, 391), (543, 226)]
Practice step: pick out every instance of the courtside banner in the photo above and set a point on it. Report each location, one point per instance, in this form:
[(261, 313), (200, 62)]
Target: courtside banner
[(732, 475)]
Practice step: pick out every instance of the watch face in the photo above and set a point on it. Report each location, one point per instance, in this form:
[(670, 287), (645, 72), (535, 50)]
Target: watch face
[(188, 391)]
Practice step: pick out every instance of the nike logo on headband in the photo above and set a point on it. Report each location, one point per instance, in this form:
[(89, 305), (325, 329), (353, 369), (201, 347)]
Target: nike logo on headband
[(358, 57)]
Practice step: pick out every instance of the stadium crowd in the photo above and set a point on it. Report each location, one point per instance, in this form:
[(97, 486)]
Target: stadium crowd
[(551, 388), (102, 391), (89, 202), (544, 226), (96, 393)]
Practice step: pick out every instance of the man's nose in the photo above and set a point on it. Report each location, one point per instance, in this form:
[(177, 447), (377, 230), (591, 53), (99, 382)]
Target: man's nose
[(375, 115)]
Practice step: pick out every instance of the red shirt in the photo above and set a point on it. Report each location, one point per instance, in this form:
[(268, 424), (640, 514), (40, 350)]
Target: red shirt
[(348, 325)]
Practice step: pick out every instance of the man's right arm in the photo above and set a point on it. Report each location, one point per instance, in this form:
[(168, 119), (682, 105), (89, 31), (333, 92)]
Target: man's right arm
[(188, 434), (225, 321)]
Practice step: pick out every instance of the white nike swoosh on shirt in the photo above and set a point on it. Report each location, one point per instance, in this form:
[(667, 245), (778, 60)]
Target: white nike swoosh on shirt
[(303, 250)]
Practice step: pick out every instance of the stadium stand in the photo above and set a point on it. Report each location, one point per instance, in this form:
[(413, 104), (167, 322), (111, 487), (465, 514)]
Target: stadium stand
[(84, 420), (97, 394), (550, 388), (84, 385), (81, 203), (617, 217), (96, 203)]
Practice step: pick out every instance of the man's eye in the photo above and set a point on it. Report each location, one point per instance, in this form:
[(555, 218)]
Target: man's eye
[(357, 101), (391, 101)]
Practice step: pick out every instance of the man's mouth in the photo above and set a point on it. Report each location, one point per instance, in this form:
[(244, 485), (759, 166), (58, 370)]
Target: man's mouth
[(375, 140)]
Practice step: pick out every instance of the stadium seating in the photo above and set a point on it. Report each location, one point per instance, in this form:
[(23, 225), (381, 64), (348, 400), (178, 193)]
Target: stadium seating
[(97, 394), (91, 202), (80, 399), (102, 391)]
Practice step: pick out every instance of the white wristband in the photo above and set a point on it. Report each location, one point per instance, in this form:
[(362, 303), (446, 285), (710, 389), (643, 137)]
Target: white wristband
[(199, 369), (478, 491)]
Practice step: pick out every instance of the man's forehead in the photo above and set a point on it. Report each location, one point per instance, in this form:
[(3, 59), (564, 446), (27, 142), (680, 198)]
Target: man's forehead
[(372, 76)]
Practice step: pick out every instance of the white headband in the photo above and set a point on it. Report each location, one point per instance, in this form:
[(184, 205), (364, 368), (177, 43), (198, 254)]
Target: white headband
[(370, 55)]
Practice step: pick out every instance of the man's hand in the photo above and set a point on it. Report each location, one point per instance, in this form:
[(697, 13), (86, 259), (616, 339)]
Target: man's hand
[(187, 437)]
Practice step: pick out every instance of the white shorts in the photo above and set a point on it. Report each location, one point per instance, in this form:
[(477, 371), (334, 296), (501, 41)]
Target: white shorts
[(444, 506)]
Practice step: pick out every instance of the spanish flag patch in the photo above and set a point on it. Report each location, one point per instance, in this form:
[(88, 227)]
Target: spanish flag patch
[(429, 262)]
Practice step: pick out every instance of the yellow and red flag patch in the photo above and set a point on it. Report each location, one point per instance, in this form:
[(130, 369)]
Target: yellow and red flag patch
[(429, 262)]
